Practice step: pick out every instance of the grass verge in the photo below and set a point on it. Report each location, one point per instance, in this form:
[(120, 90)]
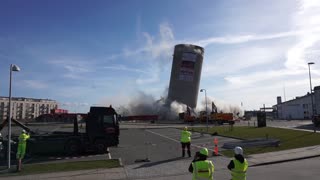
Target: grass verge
[(67, 166), (289, 139)]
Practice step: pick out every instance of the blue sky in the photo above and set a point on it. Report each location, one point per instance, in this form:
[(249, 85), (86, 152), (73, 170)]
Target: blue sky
[(84, 53)]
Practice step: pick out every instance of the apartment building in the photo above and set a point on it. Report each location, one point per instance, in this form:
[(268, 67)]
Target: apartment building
[(25, 108)]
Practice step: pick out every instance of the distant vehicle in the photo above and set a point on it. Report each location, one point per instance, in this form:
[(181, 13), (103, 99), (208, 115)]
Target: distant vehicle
[(63, 117), (140, 118), (187, 118), (218, 118), (101, 132)]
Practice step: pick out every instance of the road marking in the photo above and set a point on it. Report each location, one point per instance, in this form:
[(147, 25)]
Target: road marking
[(109, 154), (173, 139)]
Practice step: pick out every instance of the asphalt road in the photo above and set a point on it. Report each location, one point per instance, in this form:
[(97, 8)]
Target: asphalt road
[(302, 169), (147, 141), (158, 144)]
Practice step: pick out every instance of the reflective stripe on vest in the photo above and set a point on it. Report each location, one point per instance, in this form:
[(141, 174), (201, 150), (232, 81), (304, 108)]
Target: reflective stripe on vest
[(239, 170), (202, 170), (185, 136)]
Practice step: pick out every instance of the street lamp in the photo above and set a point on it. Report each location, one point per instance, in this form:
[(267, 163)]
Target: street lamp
[(205, 95), (12, 68), (312, 109)]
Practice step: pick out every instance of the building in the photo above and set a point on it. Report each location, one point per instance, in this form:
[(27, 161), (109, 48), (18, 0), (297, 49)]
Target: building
[(298, 108), (186, 74), (25, 108)]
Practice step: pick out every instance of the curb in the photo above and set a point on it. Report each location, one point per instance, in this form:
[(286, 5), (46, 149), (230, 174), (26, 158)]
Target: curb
[(282, 161)]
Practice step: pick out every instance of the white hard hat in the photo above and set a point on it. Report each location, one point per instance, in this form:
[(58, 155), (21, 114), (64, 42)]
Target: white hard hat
[(23, 131), (238, 150)]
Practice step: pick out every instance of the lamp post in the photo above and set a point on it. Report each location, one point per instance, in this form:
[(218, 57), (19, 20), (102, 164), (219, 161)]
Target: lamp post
[(312, 105), (205, 95), (312, 109), (12, 68)]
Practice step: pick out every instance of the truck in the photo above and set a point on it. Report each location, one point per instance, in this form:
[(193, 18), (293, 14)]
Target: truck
[(187, 116), (101, 132), (60, 117), (215, 117)]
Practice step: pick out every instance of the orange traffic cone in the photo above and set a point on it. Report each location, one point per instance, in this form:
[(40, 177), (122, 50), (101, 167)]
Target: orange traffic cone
[(216, 150)]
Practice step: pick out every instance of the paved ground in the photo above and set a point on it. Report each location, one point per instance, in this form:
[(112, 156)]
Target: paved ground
[(161, 145), (303, 169)]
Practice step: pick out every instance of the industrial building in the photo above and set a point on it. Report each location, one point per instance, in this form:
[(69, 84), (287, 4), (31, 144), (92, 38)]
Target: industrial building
[(25, 108), (298, 108), (186, 74)]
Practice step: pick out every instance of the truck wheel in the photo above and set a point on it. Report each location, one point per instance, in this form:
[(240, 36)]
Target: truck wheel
[(72, 147), (100, 146)]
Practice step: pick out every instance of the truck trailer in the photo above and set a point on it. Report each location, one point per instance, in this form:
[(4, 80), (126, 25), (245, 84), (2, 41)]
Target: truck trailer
[(101, 132)]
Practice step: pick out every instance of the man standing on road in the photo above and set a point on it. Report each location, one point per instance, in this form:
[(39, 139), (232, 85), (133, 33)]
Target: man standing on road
[(201, 168), (185, 141), (22, 147), (239, 165)]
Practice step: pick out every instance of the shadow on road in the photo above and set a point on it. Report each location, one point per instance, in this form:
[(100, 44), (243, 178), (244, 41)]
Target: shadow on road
[(159, 162)]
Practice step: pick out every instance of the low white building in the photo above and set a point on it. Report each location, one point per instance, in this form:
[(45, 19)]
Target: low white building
[(298, 108), (25, 108)]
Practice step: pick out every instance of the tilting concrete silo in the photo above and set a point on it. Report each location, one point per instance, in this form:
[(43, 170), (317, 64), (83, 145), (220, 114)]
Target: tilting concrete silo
[(186, 74)]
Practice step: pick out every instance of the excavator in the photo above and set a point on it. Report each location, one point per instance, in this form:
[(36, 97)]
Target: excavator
[(187, 117), (216, 117)]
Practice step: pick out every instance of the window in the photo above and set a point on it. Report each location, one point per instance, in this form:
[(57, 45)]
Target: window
[(108, 119)]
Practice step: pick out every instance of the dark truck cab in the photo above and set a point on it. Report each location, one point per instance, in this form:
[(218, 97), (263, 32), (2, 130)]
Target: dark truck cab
[(102, 127), (101, 132)]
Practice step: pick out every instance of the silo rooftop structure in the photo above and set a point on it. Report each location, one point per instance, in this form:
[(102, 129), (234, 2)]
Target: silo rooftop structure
[(186, 74)]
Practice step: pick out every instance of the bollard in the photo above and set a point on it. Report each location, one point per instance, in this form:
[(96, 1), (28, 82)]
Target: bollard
[(215, 150)]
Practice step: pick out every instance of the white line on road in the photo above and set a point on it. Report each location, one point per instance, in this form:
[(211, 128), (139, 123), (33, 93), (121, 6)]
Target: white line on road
[(109, 154), (173, 139)]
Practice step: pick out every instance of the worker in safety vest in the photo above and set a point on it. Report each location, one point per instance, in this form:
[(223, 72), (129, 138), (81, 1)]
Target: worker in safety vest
[(185, 141), (201, 168), (239, 165), (22, 147)]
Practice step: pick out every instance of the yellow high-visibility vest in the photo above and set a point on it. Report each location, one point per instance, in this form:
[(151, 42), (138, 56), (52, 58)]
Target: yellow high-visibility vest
[(240, 169), (23, 138), (185, 136), (202, 170)]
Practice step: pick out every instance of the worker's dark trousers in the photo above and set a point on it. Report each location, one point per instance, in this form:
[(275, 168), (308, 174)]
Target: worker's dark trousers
[(184, 147)]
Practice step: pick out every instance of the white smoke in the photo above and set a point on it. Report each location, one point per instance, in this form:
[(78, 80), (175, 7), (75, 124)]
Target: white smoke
[(146, 104), (221, 107)]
